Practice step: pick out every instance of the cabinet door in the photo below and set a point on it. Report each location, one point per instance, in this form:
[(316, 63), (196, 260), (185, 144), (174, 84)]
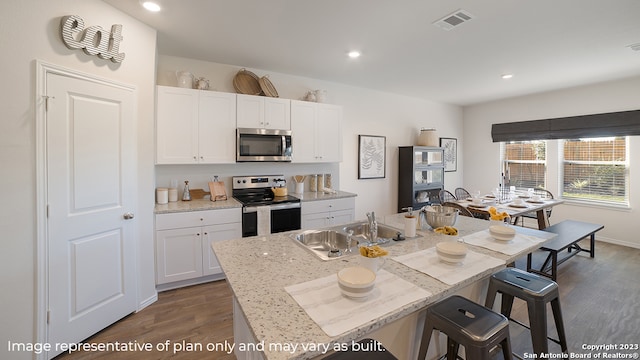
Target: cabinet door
[(328, 133), (250, 111), (342, 217), (214, 233), (316, 221), (303, 119), (178, 254), (217, 129), (277, 114), (176, 125)]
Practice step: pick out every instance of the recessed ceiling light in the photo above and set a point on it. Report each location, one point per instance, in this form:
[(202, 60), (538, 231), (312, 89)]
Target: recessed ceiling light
[(354, 54), (507, 76), (151, 6)]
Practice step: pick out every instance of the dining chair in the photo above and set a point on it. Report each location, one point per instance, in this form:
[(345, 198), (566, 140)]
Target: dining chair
[(446, 196), (462, 193), (463, 210)]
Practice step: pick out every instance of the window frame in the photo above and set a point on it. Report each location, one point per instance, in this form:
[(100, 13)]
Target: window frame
[(504, 161), (625, 204)]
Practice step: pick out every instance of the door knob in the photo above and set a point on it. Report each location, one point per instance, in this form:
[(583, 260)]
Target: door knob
[(128, 216)]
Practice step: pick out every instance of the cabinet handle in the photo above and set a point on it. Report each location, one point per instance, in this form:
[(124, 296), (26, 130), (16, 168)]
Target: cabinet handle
[(201, 157), (201, 219), (267, 124), (206, 233), (195, 158), (197, 234)]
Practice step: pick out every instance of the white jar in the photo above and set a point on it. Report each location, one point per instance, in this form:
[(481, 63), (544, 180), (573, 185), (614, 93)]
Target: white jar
[(162, 195), (173, 194)]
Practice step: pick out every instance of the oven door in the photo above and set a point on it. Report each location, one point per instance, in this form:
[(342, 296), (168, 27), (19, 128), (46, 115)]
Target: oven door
[(285, 217), (249, 221)]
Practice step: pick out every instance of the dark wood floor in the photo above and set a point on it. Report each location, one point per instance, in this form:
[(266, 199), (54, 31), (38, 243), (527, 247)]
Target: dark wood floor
[(599, 300)]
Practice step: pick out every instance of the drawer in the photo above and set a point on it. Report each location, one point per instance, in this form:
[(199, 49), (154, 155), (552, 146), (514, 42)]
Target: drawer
[(198, 218), (312, 207)]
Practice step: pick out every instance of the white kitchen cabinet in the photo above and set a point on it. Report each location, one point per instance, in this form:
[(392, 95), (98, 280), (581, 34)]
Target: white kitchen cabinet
[(259, 112), (323, 213), (195, 126), (316, 131), (183, 242)]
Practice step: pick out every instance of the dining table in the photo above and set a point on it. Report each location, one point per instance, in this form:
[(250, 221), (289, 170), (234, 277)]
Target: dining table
[(512, 207)]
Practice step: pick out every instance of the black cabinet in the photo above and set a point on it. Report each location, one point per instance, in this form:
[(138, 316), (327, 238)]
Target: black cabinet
[(420, 177)]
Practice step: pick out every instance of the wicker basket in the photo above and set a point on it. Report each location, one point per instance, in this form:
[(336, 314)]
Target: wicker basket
[(267, 87), (246, 82)]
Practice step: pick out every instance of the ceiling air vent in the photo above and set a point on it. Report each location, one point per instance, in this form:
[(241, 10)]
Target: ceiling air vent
[(453, 20)]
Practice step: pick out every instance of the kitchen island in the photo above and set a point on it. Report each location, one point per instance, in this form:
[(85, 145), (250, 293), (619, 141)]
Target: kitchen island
[(266, 316)]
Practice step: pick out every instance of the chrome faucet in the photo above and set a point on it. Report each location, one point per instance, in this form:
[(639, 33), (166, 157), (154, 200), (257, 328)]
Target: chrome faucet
[(373, 227)]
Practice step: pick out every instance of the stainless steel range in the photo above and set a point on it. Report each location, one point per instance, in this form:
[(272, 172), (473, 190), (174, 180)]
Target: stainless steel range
[(262, 212)]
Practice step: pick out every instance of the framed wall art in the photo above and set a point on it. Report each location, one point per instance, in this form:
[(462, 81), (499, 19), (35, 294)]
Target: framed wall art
[(371, 156), (450, 146)]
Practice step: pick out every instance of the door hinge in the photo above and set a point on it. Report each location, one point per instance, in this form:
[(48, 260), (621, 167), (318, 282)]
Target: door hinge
[(46, 101), (47, 211), (48, 316)]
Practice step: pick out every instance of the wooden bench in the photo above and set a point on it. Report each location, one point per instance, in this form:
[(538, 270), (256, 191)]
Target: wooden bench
[(569, 233)]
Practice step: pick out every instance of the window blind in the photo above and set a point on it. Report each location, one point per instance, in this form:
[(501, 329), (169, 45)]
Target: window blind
[(595, 170), (621, 123)]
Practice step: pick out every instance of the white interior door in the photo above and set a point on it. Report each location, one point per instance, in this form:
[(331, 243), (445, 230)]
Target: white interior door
[(90, 197)]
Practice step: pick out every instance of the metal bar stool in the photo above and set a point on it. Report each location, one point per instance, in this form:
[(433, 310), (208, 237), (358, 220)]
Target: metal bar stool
[(466, 323), (537, 291), (364, 349)]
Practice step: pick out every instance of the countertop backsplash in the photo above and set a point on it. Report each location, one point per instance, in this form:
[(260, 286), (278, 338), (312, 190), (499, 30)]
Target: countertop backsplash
[(200, 175)]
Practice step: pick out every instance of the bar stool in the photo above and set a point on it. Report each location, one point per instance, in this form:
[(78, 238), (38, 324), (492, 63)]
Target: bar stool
[(537, 291), (466, 323), (366, 348)]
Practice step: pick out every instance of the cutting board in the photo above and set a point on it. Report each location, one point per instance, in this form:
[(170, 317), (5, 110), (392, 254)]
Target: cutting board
[(217, 190)]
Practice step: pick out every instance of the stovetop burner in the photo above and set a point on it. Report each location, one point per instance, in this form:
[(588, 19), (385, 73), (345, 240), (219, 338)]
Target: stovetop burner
[(256, 190)]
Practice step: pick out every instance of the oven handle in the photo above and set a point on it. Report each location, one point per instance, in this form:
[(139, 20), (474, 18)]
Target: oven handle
[(292, 205)]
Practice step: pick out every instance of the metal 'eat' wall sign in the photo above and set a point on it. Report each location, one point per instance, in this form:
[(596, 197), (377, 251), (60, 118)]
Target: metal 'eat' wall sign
[(94, 40)]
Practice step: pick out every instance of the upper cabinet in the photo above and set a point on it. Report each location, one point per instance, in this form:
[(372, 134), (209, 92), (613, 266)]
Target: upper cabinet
[(195, 126), (316, 132), (263, 112)]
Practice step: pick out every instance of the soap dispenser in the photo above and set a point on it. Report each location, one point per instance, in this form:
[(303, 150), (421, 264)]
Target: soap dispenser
[(186, 195)]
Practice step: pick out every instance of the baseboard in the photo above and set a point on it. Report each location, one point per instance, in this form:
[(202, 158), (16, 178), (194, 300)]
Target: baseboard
[(148, 301), (617, 242), (183, 283)]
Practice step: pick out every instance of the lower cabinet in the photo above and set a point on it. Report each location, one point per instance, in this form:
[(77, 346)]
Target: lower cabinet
[(323, 213), (183, 242)]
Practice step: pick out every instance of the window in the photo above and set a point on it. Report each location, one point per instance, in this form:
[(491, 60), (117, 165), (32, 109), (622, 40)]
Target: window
[(596, 170), (524, 163)]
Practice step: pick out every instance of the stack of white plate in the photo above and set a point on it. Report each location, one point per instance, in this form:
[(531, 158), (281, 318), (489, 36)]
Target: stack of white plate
[(356, 282), (451, 252), (502, 232)]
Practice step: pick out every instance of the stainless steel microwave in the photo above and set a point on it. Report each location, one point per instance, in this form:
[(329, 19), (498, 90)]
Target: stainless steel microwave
[(263, 145)]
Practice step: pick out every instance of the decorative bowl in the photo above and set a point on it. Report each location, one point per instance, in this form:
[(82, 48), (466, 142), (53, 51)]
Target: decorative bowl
[(502, 232), (356, 282), (451, 252)]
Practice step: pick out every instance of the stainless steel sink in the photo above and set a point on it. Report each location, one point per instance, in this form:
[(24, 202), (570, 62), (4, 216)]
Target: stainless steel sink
[(361, 232), (332, 243)]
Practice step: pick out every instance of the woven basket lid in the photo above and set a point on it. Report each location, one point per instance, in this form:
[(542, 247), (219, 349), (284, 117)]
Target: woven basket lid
[(246, 82), (267, 87)]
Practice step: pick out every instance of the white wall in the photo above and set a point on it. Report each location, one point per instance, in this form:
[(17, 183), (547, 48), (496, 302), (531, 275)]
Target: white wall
[(29, 30), (482, 167), (366, 112)]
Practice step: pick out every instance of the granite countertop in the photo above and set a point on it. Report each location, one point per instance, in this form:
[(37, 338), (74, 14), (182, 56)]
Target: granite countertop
[(196, 205), (259, 268), (314, 196), (206, 204)]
